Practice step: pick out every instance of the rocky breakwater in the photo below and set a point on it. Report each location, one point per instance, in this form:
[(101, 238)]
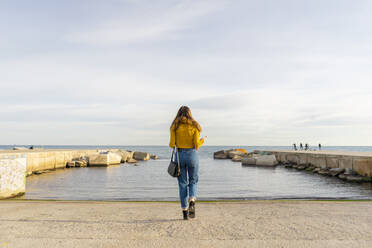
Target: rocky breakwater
[(255, 158), (110, 157), (15, 165), (348, 166)]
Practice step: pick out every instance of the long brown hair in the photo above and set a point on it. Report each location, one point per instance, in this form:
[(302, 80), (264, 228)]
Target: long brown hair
[(184, 116)]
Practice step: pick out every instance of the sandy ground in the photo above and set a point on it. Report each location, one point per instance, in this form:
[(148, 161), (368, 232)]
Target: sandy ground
[(219, 224)]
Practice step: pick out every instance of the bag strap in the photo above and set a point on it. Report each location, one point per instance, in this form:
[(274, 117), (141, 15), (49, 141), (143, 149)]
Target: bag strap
[(175, 145)]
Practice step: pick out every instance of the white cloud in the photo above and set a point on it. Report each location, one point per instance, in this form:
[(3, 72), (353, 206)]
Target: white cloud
[(250, 74), (149, 23)]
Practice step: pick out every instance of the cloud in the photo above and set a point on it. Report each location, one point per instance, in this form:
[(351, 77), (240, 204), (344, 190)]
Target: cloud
[(116, 72), (149, 23)]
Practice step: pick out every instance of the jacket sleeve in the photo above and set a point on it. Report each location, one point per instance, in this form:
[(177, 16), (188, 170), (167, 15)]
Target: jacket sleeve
[(172, 140), (196, 139)]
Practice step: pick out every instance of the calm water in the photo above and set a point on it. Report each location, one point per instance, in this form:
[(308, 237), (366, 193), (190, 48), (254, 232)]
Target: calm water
[(219, 179)]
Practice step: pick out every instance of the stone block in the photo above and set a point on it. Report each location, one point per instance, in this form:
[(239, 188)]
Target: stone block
[(318, 161), (293, 158), (237, 158), (312, 160), (32, 162), (362, 166), (248, 161), (332, 162), (12, 175), (141, 156), (231, 154), (50, 161), (322, 162), (71, 164), (266, 160), (105, 159), (302, 158), (345, 162), (281, 157), (220, 155), (60, 160)]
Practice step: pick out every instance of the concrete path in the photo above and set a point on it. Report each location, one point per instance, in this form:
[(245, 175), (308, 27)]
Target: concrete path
[(220, 224)]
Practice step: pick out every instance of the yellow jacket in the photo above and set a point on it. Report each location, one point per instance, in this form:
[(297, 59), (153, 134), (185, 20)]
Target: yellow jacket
[(188, 136)]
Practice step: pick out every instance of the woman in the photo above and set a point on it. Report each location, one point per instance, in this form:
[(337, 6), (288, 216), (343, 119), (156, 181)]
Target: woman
[(185, 134)]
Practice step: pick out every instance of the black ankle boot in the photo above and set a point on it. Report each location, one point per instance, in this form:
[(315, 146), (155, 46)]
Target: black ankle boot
[(185, 214), (192, 209)]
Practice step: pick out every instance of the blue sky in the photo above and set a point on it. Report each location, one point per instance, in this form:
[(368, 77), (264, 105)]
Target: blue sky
[(253, 72)]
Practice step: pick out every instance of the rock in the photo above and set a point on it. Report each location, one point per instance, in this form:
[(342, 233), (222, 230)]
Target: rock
[(354, 178), (141, 156), (237, 158), (349, 171), (220, 155), (81, 163), (316, 170), (336, 171), (41, 172), (249, 154), (70, 164), (310, 168), (342, 176), (21, 148), (126, 155), (233, 153), (301, 167), (248, 161), (324, 172), (367, 179), (104, 159), (265, 153), (288, 166), (132, 161), (154, 157), (267, 160)]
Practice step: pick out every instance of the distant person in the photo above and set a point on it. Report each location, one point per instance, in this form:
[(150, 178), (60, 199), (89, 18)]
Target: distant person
[(295, 147), (185, 135), (306, 147), (301, 146), (320, 146)]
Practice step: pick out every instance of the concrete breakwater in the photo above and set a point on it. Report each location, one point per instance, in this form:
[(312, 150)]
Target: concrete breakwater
[(352, 166), (15, 165)]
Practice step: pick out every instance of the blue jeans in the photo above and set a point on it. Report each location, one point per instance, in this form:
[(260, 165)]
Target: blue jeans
[(188, 181)]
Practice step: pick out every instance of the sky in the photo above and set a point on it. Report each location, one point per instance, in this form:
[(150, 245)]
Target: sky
[(115, 72)]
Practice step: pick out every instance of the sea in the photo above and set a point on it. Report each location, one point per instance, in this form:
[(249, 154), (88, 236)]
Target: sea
[(218, 179)]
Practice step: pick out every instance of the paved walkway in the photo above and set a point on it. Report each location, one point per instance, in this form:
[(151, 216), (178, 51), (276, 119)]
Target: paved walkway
[(220, 224)]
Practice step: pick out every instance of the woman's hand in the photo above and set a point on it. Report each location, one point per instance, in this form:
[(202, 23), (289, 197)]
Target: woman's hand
[(204, 138)]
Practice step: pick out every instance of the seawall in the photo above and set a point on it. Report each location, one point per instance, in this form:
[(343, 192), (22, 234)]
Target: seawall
[(360, 162), (15, 165)]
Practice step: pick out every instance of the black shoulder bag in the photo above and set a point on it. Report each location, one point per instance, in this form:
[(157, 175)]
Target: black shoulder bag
[(174, 168)]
